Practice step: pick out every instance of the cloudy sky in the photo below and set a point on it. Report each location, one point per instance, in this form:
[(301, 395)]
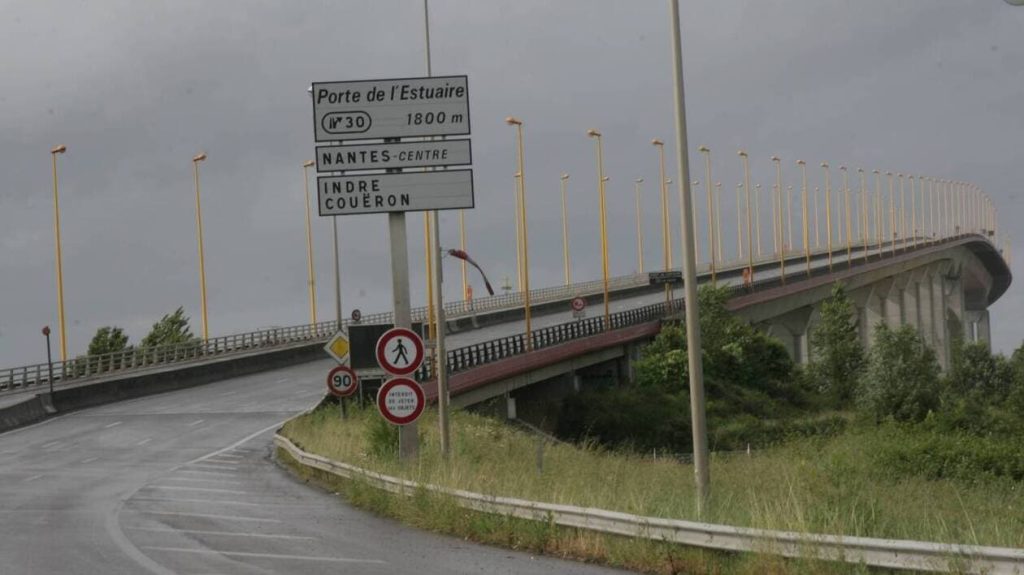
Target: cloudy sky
[(135, 89)]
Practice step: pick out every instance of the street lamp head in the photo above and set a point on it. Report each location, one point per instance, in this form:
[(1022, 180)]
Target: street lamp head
[(518, 175), (824, 164), (801, 163), (308, 164), (875, 172), (605, 178), (592, 133), (842, 168), (742, 153), (889, 174), (776, 159), (657, 142), (565, 176), (695, 183), (59, 149), (639, 180), (860, 170), (757, 186), (46, 330), (199, 157), (513, 121), (703, 148)]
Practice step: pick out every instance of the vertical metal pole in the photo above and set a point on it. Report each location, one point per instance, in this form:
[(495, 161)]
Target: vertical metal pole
[(803, 207), (526, 245), (408, 435), (565, 232), (849, 221), (337, 273), (462, 246), (639, 228), (739, 224), (199, 233), (60, 259), (519, 237), (694, 351), (718, 221), (828, 212), (311, 275), (49, 361)]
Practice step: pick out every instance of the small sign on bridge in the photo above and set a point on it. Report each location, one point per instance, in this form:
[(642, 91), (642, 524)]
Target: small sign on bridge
[(658, 278)]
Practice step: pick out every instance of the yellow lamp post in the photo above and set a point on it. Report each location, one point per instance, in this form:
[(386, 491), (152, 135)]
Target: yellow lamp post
[(311, 279), (781, 243), (565, 231), (519, 235), (757, 217), (596, 135), (902, 214), (718, 221), (817, 237), (846, 202), (739, 224), (803, 210), (879, 223), (711, 210), (59, 256), (750, 238), (522, 217), (892, 212), (693, 226), (666, 243), (828, 212), (862, 214), (639, 227), (199, 235), (913, 213)]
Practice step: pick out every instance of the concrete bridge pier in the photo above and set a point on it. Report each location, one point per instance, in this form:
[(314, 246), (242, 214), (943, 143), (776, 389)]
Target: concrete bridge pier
[(793, 329)]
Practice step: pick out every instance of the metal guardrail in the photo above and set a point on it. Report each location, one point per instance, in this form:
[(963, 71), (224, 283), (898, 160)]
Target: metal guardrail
[(87, 367), (84, 368), (887, 553)]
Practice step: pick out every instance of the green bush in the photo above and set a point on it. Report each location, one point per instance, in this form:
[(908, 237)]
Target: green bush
[(838, 355), (902, 377), (915, 451)]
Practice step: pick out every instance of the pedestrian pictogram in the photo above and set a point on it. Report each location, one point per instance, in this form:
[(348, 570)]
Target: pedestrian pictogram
[(400, 400), (342, 381), (339, 348), (400, 351)]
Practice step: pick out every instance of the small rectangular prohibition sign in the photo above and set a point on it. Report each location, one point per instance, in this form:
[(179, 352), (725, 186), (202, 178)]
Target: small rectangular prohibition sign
[(396, 155), (399, 108), (408, 192)]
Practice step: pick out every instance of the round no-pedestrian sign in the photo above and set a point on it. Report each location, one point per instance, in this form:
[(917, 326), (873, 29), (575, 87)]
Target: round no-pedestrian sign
[(579, 304), (400, 400), (400, 351)]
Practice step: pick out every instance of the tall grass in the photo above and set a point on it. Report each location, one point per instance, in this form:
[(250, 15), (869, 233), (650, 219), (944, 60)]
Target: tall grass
[(835, 485)]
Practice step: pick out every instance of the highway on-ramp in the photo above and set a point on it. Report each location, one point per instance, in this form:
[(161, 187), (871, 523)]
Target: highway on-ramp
[(183, 483)]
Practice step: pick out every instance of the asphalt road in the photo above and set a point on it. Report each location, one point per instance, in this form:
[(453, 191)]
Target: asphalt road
[(183, 483)]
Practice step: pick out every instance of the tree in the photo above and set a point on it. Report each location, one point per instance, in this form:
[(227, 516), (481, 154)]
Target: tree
[(108, 339), (977, 372), (172, 328), (838, 355), (901, 380)]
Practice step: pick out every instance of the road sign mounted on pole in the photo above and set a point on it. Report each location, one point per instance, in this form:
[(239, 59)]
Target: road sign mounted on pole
[(342, 381), (400, 351), (671, 277), (393, 155), (399, 108), (406, 192), (579, 307), (400, 400), (339, 348)]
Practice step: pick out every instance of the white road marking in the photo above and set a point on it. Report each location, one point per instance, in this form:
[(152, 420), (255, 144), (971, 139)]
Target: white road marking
[(224, 466), (283, 380), (89, 460), (227, 393), (202, 480), (221, 473), (51, 444), (205, 501), (222, 533), (195, 423), (267, 555), (203, 489), (145, 441), (212, 516), (109, 425), (33, 478)]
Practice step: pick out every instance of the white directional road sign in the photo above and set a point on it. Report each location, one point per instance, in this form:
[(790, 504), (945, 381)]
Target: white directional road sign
[(400, 108), (396, 155), (400, 351), (408, 192)]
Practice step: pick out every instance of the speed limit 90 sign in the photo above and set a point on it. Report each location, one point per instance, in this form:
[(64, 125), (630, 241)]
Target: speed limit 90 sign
[(342, 381)]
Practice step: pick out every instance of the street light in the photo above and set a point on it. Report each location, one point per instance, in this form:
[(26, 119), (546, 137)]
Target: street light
[(862, 214), (309, 245), (879, 221), (739, 223), (803, 209), (565, 231), (849, 222), (639, 227), (750, 238), (666, 243), (828, 212), (596, 135), (49, 359), (718, 221), (712, 213), (757, 217), (522, 216), (60, 264), (892, 212), (781, 242), (201, 157)]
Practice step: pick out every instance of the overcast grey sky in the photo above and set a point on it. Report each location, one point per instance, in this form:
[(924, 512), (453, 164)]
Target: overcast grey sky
[(135, 89)]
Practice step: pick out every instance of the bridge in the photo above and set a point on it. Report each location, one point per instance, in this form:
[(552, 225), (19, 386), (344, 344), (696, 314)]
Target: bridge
[(156, 459)]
